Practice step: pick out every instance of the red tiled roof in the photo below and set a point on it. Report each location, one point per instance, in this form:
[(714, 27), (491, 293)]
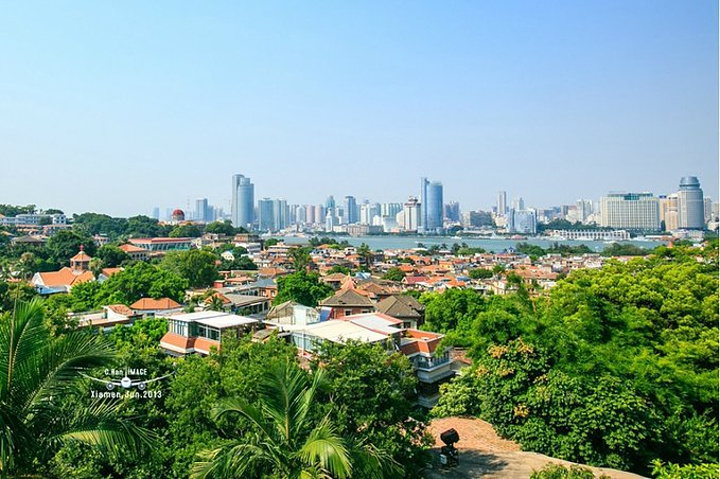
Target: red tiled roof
[(121, 309), (131, 248), (82, 256), (154, 304), (203, 345), (111, 271), (65, 277), (177, 343)]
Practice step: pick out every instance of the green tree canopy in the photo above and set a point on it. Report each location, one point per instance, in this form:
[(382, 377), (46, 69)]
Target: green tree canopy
[(38, 371), (139, 281), (302, 287), (198, 267), (111, 256), (65, 244), (394, 274)]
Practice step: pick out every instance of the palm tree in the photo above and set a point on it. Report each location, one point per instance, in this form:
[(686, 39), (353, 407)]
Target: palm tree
[(366, 255), (283, 437), (36, 372), (215, 303)]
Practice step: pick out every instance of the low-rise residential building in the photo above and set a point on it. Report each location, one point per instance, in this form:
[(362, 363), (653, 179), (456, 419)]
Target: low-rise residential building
[(200, 332), (347, 302), (156, 307), (403, 307)]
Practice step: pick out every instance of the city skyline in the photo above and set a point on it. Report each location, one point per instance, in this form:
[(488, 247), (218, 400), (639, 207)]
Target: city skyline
[(551, 104)]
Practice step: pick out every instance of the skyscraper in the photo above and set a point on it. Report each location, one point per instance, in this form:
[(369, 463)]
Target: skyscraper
[(351, 210), (201, 210), (633, 211), (330, 203), (411, 215), (452, 211), (266, 216), (502, 203), (691, 207), (431, 206), (243, 201), (280, 214)]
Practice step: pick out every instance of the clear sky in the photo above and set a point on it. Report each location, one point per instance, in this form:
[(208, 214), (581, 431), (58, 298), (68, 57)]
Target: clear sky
[(118, 106)]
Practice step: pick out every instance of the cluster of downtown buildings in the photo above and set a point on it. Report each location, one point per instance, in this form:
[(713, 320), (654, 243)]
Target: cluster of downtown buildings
[(427, 213)]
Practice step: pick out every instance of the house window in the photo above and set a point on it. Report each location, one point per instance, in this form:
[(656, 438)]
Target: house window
[(347, 312)]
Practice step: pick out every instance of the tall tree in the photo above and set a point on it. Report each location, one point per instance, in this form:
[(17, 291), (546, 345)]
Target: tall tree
[(36, 372), (197, 266), (285, 441), (302, 287)]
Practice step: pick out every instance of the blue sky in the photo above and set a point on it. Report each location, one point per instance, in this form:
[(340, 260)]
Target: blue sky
[(120, 106)]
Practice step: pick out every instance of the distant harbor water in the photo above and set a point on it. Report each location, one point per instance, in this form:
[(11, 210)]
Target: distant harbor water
[(495, 245)]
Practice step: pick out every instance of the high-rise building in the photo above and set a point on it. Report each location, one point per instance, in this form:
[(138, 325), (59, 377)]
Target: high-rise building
[(351, 210), (266, 215), (365, 216), (522, 221), (201, 210), (330, 220), (707, 208), (519, 204), (156, 212), (390, 209), (411, 214), (669, 212), (633, 211), (319, 214), (330, 202), (452, 211), (301, 214), (584, 209), (431, 206), (280, 214), (502, 203), (691, 207), (243, 200)]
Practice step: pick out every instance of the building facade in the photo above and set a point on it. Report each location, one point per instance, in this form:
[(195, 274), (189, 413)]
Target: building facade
[(243, 202), (631, 211), (691, 206)]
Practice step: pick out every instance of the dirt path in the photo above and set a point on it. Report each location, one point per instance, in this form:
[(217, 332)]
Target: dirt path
[(484, 454)]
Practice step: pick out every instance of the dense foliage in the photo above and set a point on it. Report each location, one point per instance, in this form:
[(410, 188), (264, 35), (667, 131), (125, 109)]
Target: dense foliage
[(557, 471), (302, 287), (39, 373), (616, 367)]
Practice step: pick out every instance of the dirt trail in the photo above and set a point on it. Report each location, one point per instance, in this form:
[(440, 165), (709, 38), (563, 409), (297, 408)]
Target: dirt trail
[(484, 454)]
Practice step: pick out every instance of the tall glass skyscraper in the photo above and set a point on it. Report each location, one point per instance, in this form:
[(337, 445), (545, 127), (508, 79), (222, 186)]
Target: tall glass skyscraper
[(691, 208), (243, 202), (266, 215), (351, 210), (431, 206)]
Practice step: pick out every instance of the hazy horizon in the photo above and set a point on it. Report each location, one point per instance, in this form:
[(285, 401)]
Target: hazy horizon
[(117, 108)]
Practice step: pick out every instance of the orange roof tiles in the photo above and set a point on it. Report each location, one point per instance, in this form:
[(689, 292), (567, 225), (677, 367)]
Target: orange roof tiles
[(131, 248), (81, 257), (121, 309), (65, 277), (154, 304)]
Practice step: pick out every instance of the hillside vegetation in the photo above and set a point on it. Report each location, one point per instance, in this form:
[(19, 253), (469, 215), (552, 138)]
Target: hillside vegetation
[(616, 367)]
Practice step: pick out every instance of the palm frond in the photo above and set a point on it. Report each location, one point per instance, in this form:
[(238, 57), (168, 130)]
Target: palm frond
[(21, 334), (373, 463), (325, 448), (100, 425), (55, 367), (228, 461)]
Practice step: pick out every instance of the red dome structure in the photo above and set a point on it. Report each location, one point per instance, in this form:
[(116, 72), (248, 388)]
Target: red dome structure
[(178, 215)]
